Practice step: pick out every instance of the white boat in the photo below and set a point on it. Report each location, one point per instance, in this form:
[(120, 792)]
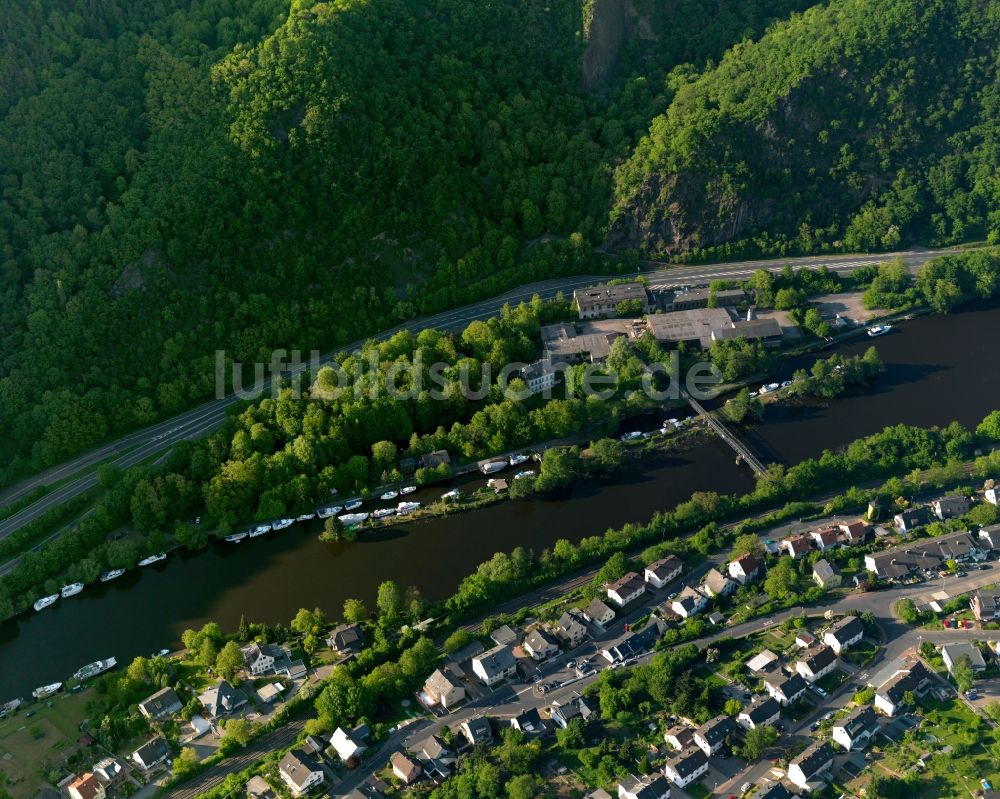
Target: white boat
[(389, 495), (404, 508), (384, 513), (259, 530), (786, 383), (235, 538), (160, 653), (45, 601), (453, 494), (153, 559), (305, 517), (281, 524), (114, 574), (491, 467), (518, 458), (350, 519), (330, 510), (879, 330), (633, 436), (47, 690), (525, 473), (407, 490), (95, 668), (9, 707), (353, 504), (70, 590)]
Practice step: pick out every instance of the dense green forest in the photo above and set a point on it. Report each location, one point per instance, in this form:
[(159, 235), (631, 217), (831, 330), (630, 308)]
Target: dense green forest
[(178, 177), (859, 124)]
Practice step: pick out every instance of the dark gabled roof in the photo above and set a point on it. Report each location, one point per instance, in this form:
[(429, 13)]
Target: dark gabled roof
[(479, 730), (161, 702), (347, 636), (651, 787), (818, 657), (953, 505), (813, 758), (297, 765), (858, 721), (716, 730), (846, 628), (687, 762), (664, 566), (773, 791), (627, 584), (153, 750), (760, 712), (789, 686)]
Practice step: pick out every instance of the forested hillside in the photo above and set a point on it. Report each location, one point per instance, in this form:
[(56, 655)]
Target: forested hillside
[(181, 176), (861, 124)]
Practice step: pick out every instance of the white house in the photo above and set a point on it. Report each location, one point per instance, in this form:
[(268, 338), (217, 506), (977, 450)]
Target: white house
[(571, 628), (300, 772), (826, 538), (745, 569), (711, 736), (784, 689), (844, 633), (685, 768), (892, 683), (348, 749), (767, 711), (952, 653), (663, 571), (540, 645), (599, 613), (796, 546), (405, 768), (443, 689), (540, 376), (857, 729), (814, 664), (151, 753), (689, 603), (652, 786), (494, 665), (259, 659), (626, 589), (717, 584), (807, 771)]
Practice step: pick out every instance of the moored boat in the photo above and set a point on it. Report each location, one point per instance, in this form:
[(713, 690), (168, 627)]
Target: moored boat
[(153, 559), (353, 504), (350, 519), (525, 473), (453, 494), (518, 458), (235, 538), (95, 668), (305, 517), (259, 530), (9, 707), (389, 495), (47, 690), (113, 574), (70, 590), (405, 508), (384, 513), (879, 330), (327, 512), (491, 467), (407, 490), (45, 601), (281, 524)]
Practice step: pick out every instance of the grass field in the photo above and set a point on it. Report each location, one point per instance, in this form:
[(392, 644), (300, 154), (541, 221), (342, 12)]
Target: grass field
[(31, 747)]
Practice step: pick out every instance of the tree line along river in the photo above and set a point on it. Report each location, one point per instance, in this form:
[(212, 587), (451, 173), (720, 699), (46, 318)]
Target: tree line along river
[(938, 369)]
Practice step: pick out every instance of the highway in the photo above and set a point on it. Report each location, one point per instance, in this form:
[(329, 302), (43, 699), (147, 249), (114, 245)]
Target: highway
[(79, 474)]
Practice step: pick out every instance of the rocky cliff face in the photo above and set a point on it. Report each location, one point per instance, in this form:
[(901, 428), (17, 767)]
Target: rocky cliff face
[(608, 26)]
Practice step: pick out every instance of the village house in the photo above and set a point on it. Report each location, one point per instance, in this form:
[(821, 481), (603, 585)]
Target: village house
[(686, 767), (854, 533), (989, 538), (952, 653), (347, 639), (774, 790), (985, 604), (349, 749), (570, 628), (110, 772), (857, 729), (894, 681), (796, 546), (504, 635), (540, 376), (717, 584), (912, 518), (86, 787), (652, 786), (783, 688), (808, 771), (688, 603), (477, 731), (804, 639), (162, 704), (844, 633), (711, 736), (495, 665), (444, 689), (951, 506), (663, 571), (435, 756), (540, 645), (679, 737), (766, 711), (746, 569), (529, 723), (221, 700), (924, 555), (151, 753), (626, 589), (825, 538), (603, 300), (300, 772), (814, 664), (258, 788), (763, 662), (599, 613), (260, 659), (562, 714), (825, 574)]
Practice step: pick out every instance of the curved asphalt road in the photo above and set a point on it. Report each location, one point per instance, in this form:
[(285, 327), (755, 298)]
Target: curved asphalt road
[(140, 445)]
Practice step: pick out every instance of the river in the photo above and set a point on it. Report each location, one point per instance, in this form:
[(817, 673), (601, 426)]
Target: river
[(937, 371)]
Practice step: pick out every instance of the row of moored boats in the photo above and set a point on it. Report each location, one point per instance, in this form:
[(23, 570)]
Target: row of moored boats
[(45, 691), (72, 589)]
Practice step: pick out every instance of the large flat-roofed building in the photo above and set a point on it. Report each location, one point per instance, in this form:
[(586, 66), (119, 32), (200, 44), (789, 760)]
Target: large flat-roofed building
[(703, 298), (598, 301), (766, 331), (564, 342), (694, 327)]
